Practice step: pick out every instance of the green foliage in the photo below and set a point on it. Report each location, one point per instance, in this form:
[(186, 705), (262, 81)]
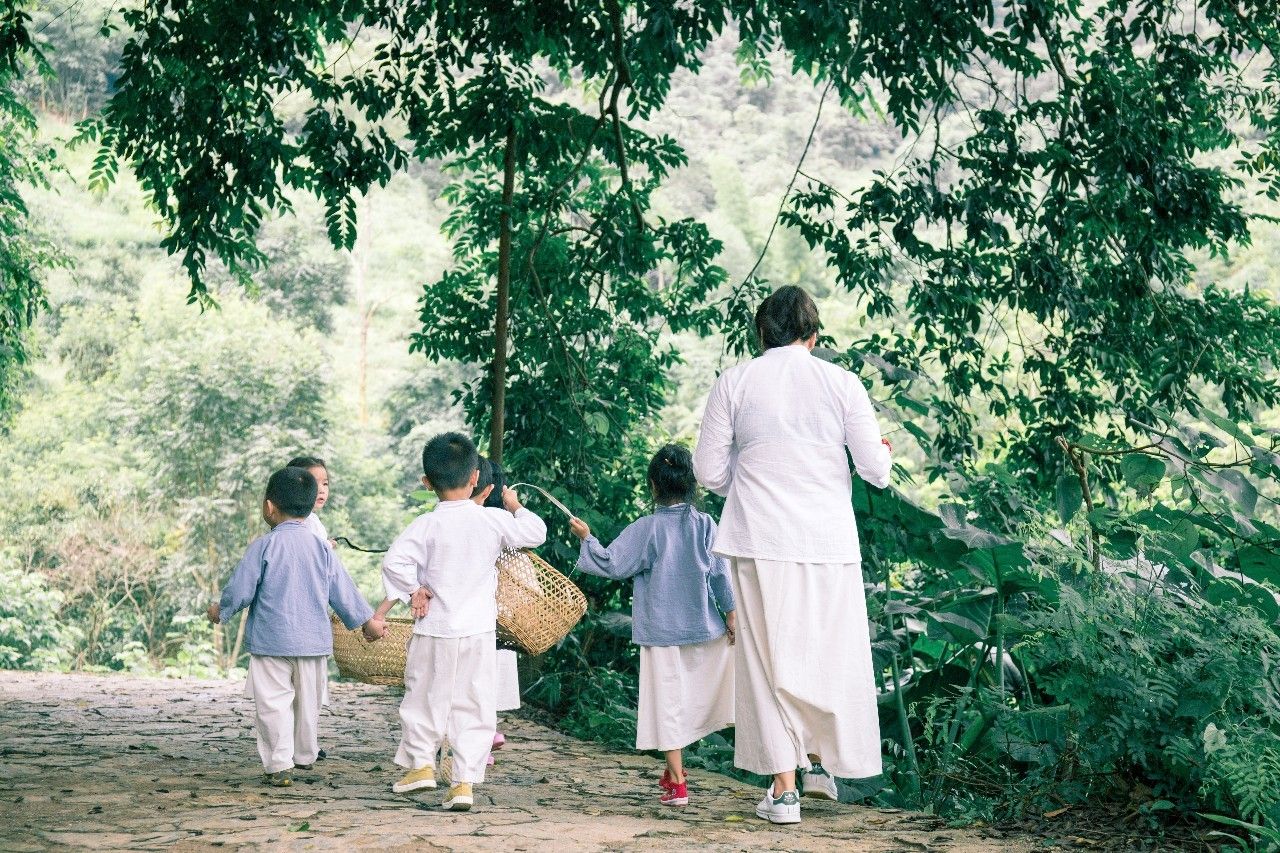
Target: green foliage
[(1167, 684), (1033, 248), (31, 637), (82, 48), (24, 253), (1033, 654)]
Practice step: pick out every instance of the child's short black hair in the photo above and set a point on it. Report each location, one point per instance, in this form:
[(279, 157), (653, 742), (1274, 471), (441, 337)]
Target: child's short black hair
[(293, 491), (448, 460), (785, 316), (490, 474), (307, 462), (671, 473)]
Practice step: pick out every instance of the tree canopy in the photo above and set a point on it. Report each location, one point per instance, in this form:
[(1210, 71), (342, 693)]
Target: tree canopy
[(1032, 246), (24, 254)]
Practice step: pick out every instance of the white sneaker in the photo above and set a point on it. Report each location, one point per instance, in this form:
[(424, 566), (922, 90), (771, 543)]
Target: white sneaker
[(784, 809), (818, 784)]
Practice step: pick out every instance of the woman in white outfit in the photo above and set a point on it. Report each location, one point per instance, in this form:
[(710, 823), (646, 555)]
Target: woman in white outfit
[(773, 442)]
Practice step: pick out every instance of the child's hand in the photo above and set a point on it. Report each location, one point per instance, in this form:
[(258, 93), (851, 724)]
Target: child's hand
[(420, 602), (374, 629), (333, 543), (579, 528), (214, 613), (731, 626), (886, 443), (511, 500)]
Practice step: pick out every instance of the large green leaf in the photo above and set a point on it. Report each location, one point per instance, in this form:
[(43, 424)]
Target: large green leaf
[(1067, 496), (1235, 485), (1259, 563), (1143, 472)]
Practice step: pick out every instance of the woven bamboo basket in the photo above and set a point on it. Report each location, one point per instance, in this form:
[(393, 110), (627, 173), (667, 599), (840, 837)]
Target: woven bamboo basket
[(373, 663), (537, 608)]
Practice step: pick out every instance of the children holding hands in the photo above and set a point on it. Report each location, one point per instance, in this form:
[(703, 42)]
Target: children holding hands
[(450, 681), (288, 580), (680, 592), (444, 566)]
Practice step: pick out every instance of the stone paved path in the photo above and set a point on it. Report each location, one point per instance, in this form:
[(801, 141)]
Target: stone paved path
[(112, 762)]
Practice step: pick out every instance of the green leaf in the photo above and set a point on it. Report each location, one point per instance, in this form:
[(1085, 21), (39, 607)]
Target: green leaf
[(955, 627), (1260, 564), (1234, 485), (1143, 472), (1067, 496)]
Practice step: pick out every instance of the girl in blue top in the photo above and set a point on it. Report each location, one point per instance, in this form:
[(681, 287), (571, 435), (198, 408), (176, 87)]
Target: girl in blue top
[(682, 616)]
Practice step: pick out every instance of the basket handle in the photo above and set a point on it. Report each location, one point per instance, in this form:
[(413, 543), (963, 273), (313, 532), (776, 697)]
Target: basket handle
[(568, 513)]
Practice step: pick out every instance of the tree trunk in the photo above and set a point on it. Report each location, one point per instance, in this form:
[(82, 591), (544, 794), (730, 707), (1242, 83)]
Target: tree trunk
[(497, 423)]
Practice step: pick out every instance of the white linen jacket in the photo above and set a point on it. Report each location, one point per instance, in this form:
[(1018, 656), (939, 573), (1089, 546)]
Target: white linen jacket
[(773, 442)]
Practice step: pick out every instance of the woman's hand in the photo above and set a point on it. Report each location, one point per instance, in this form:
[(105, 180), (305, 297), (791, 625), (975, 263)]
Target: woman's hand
[(579, 528), (731, 626), (214, 613), (420, 602)]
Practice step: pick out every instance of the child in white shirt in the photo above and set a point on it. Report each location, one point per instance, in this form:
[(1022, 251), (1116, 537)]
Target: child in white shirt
[(450, 676), (315, 465)]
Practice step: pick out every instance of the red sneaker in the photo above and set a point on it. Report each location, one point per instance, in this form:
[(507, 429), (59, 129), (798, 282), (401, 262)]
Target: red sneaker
[(676, 795), (666, 784)]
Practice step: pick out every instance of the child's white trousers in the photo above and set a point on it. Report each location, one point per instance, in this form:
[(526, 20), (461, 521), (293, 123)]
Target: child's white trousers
[(450, 687), (805, 680), (287, 694)]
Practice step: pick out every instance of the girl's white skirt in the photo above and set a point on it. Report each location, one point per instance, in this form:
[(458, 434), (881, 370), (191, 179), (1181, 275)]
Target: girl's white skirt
[(508, 680), (686, 693)]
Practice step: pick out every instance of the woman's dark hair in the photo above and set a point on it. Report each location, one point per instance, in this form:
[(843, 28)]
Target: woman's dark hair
[(293, 491), (787, 315), (671, 475), (490, 474)]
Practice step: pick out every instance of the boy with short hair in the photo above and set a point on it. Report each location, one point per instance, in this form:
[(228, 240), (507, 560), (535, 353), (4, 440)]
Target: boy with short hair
[(288, 579), (449, 673)]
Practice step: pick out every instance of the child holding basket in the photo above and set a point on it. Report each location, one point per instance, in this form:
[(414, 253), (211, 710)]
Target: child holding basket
[(680, 592)]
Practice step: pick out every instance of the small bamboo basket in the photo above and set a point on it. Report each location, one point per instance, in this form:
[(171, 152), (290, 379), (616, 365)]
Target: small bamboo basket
[(381, 662), (537, 608)]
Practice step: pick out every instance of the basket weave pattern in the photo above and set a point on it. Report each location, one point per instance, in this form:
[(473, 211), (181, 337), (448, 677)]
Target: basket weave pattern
[(373, 663), (537, 608)]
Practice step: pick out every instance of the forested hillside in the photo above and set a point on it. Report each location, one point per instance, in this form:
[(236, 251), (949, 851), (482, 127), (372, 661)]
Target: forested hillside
[(1073, 579)]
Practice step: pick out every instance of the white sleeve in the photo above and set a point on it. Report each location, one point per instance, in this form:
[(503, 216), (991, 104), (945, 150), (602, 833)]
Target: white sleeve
[(317, 527), (522, 530), (862, 436), (400, 566), (713, 457)]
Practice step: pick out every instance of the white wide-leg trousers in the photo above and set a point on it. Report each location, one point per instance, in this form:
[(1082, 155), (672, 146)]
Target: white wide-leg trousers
[(287, 694), (450, 686), (804, 681)]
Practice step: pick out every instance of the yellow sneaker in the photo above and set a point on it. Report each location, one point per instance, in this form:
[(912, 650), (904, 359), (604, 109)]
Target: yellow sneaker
[(279, 779), (459, 799), (415, 780)]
